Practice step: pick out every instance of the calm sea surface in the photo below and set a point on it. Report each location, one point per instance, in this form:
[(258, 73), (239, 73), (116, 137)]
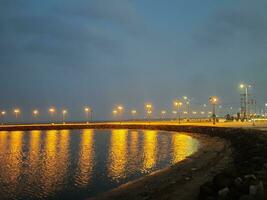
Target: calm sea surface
[(81, 163)]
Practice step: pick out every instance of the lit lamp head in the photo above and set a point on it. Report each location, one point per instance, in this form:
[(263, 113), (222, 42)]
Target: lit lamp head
[(214, 100), (64, 112), (243, 85), (52, 110), (120, 108), (115, 112), (16, 111), (35, 112), (177, 103), (148, 106), (133, 112), (163, 112), (86, 109), (3, 113)]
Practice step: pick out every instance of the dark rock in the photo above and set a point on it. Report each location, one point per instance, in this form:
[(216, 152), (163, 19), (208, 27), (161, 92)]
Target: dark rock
[(223, 193), (238, 182), (246, 197), (222, 180), (206, 190)]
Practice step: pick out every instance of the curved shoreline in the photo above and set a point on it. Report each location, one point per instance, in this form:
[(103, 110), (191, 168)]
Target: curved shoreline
[(175, 181), (247, 148)]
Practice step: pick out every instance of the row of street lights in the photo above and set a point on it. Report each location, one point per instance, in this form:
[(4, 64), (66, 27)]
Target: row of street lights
[(52, 111), (177, 104)]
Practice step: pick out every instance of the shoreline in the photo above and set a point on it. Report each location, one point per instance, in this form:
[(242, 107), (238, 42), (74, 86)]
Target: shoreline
[(245, 177), (175, 181)]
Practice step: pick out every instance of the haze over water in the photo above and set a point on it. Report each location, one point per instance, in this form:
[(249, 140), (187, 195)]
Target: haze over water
[(81, 163)]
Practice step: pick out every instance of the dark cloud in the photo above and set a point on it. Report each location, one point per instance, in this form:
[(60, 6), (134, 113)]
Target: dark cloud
[(232, 25), (65, 31)]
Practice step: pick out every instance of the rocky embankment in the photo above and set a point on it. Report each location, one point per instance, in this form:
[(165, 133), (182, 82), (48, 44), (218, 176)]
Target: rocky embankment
[(246, 179)]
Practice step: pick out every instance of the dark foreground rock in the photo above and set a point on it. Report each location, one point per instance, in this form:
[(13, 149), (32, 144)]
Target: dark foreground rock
[(247, 177)]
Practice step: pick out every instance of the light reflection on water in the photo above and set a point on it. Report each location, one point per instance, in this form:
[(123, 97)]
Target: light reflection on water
[(80, 163)]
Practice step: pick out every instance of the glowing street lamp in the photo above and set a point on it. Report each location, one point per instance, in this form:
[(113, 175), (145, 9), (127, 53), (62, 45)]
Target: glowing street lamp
[(52, 111), (88, 110), (35, 113), (17, 112), (245, 87), (133, 112), (3, 113), (187, 102), (64, 113), (120, 110), (178, 105), (163, 113), (115, 113), (214, 101), (148, 108)]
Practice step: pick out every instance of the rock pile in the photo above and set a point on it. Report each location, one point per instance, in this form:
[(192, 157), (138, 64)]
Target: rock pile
[(246, 179)]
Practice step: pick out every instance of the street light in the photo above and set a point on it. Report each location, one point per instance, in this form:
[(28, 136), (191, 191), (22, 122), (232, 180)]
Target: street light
[(148, 108), (120, 109), (17, 112), (163, 113), (64, 113), (246, 87), (214, 101), (133, 112), (178, 105), (3, 113), (88, 110), (52, 111), (35, 113), (115, 113), (187, 102)]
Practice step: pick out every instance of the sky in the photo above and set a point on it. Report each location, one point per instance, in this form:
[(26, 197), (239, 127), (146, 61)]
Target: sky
[(101, 53)]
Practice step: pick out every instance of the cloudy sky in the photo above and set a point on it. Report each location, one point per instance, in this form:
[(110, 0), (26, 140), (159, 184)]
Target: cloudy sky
[(103, 52)]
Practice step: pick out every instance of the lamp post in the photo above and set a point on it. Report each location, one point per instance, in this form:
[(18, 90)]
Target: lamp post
[(163, 113), (88, 111), (120, 109), (265, 109), (17, 112), (52, 111), (178, 105), (115, 113), (35, 113), (3, 113), (187, 102), (148, 108), (214, 101), (133, 112), (245, 87), (64, 113)]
